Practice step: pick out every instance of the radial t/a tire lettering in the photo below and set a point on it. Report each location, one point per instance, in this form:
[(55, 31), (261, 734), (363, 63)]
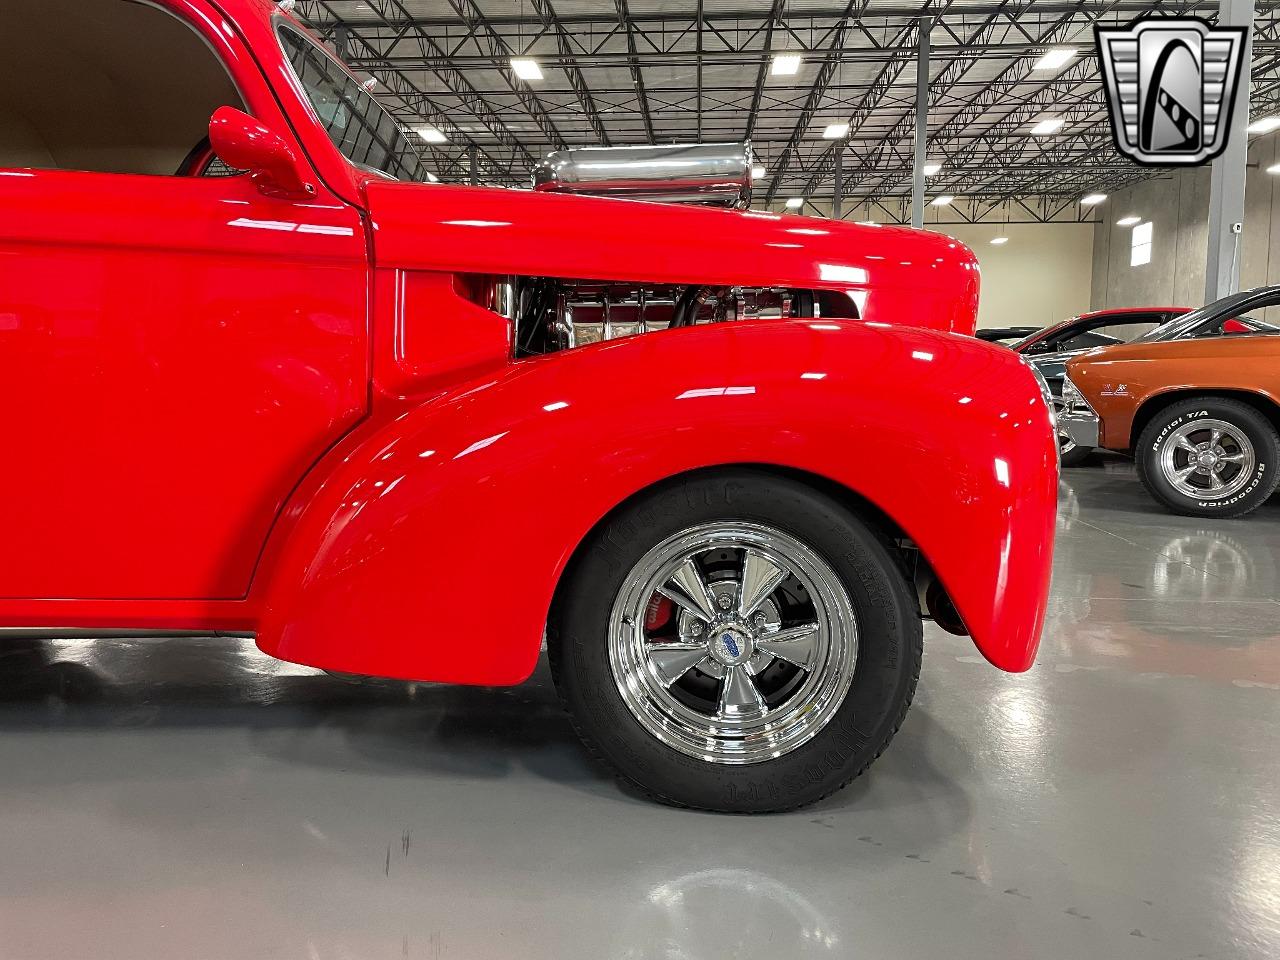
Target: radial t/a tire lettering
[(1209, 457), (736, 641)]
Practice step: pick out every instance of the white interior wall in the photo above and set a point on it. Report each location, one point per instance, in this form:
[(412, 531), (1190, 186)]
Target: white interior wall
[(1042, 275), (1177, 205)]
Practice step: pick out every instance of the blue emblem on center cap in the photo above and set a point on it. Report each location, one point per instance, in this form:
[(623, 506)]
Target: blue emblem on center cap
[(731, 645)]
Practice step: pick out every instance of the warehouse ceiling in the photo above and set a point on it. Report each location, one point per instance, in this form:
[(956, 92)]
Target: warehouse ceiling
[(653, 71)]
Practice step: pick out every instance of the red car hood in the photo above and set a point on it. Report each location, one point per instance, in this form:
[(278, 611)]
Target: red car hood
[(894, 275)]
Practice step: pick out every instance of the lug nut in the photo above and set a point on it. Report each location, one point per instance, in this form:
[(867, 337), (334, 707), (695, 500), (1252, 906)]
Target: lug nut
[(759, 619), (696, 630), (724, 602)]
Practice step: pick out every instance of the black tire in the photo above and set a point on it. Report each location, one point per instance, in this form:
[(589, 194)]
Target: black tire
[(1076, 456), (1160, 433), (889, 638)]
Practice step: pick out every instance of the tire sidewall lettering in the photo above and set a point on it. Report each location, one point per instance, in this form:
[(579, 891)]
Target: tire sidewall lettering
[(1258, 474), (1175, 422), (1154, 444)]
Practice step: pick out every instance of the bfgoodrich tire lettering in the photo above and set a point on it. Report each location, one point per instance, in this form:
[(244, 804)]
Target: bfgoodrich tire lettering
[(858, 728), (1240, 451)]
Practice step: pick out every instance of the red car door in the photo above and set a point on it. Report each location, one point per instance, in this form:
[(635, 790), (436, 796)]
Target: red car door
[(175, 352)]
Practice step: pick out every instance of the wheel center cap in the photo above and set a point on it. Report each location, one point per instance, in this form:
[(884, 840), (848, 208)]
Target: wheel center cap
[(730, 645), (1207, 458)]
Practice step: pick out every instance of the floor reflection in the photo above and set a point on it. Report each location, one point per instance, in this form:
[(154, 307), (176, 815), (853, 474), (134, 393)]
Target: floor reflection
[(683, 917), (1211, 565), (175, 671), (192, 797), (1149, 591)]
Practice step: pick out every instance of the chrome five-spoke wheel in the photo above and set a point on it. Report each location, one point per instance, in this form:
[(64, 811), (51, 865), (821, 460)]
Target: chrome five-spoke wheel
[(738, 640), (733, 642), (1207, 457)]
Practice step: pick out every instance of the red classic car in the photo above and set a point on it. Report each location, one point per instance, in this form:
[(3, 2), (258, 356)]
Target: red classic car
[(262, 378), (1049, 350)]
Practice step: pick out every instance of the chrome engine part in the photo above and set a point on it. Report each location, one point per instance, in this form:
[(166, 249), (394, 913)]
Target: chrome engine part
[(552, 314), (717, 174)]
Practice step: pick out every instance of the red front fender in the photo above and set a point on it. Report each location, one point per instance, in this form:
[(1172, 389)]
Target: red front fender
[(430, 548)]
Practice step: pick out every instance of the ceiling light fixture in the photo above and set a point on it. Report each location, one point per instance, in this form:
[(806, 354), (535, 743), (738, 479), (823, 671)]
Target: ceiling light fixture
[(1127, 221), (795, 203), (785, 64), (431, 134), (526, 68), (1265, 125), (835, 131), (1047, 126), (1054, 58), (998, 241), (1092, 199), (757, 172), (941, 201), (1274, 168), (931, 168)]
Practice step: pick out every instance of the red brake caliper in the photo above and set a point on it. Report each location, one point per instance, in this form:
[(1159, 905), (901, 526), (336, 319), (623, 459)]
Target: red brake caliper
[(658, 613)]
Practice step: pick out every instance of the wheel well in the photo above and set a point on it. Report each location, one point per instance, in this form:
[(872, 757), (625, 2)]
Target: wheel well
[(911, 564), (1151, 407)]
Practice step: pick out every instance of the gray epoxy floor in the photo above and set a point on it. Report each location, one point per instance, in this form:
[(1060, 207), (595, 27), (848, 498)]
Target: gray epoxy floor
[(191, 799)]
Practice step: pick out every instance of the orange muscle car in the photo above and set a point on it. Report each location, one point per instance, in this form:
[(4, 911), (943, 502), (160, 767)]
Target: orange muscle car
[(1198, 415)]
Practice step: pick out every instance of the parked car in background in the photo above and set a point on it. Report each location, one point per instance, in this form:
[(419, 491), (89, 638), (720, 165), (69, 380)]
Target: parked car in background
[(1005, 336), (1228, 316), (1049, 349), (333, 406), (1051, 345), (1197, 405), (1132, 325)]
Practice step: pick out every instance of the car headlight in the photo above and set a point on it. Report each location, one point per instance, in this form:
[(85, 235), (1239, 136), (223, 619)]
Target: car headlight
[(1073, 400)]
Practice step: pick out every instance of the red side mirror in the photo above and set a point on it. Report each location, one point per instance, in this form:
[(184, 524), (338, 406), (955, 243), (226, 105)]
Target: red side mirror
[(244, 143), (1234, 326)]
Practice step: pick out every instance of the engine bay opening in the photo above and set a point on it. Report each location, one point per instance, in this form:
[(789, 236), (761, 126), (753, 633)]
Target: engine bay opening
[(552, 314)]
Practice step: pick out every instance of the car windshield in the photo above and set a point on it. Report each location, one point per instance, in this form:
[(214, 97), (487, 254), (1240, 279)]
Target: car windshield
[(357, 124), (1189, 323), (1041, 332)]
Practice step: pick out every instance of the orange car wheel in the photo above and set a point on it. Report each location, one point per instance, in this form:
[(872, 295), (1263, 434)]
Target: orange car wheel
[(1209, 457)]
